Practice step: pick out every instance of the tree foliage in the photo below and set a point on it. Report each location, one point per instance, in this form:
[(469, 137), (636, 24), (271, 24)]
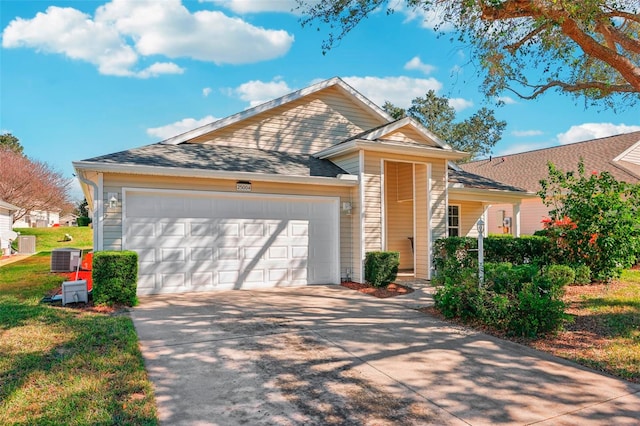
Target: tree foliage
[(31, 185), (595, 220), (588, 48), (475, 135), (10, 142)]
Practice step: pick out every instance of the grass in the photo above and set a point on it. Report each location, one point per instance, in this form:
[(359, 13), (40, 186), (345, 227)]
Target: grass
[(61, 365), (605, 334), (48, 239)]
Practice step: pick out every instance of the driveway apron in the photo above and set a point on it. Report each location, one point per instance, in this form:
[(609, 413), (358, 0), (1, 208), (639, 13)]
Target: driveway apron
[(328, 355)]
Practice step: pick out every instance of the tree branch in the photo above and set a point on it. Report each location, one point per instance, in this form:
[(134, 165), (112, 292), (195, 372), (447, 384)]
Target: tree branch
[(604, 88)]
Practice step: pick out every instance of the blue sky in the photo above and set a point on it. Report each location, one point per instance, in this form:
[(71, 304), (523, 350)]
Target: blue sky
[(81, 79)]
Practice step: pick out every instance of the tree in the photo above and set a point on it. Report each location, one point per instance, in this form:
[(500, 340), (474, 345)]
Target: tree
[(10, 142), (82, 208), (595, 219), (31, 185), (586, 48), (475, 135)]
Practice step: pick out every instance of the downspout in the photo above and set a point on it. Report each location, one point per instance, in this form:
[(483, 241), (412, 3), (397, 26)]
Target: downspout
[(94, 219)]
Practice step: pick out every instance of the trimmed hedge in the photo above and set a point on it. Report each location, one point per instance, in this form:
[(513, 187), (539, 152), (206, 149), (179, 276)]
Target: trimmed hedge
[(83, 221), (518, 251), (115, 277), (381, 267)]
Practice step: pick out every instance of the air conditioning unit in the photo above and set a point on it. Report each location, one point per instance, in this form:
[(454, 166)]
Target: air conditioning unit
[(65, 259), (74, 292)]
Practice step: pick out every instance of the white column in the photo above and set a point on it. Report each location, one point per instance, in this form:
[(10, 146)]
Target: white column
[(516, 220)]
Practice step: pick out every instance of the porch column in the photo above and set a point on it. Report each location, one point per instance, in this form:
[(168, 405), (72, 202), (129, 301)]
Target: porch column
[(516, 220)]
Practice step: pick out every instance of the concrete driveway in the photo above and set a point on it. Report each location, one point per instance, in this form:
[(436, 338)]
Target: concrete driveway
[(327, 355)]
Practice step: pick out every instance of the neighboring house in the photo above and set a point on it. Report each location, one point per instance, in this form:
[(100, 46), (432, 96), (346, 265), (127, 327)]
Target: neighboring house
[(38, 219), (69, 219), (291, 192), (618, 155), (6, 221)]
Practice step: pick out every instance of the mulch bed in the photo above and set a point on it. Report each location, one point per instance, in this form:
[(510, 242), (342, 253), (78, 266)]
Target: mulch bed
[(393, 289)]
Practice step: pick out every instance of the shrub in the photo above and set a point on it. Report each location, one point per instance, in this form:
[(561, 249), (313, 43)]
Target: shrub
[(83, 221), (381, 267), (583, 275), (561, 275), (115, 276)]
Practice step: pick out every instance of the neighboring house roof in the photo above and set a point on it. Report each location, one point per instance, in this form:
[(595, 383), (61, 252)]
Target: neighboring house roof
[(7, 206), (526, 169), (222, 158)]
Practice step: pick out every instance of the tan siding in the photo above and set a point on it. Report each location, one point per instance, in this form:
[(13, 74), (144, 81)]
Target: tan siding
[(438, 199), (372, 203), (306, 125), (470, 212), (408, 134), (531, 214), (349, 163), (399, 214), (114, 183), (422, 243)]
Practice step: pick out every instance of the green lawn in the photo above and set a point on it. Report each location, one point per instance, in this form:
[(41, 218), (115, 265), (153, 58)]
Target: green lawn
[(65, 365), (48, 239)]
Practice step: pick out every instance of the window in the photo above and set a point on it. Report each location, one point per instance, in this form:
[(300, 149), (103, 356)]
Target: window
[(453, 227)]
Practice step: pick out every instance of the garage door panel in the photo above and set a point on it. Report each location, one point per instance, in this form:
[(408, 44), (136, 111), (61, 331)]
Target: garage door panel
[(198, 242)]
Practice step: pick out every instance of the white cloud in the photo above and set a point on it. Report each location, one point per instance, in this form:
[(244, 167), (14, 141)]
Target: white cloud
[(459, 104), (257, 92), (587, 131), (507, 100), (430, 19), (526, 133), (397, 90), (258, 6), (206, 91), (416, 64), (179, 127), (122, 32)]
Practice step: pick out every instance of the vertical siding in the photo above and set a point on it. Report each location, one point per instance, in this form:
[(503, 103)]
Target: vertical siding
[(399, 214), (422, 242)]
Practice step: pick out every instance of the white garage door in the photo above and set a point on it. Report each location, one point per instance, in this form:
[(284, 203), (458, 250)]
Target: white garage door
[(193, 241)]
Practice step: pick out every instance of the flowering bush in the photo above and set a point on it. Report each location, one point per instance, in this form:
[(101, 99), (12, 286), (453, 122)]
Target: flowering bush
[(595, 220)]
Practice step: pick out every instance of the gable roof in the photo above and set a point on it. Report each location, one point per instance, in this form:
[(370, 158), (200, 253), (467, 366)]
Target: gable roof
[(248, 113), (525, 170), (212, 159)]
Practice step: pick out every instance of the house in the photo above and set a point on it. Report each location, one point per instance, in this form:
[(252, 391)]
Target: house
[(37, 219), (618, 155), (6, 221), (69, 219), (292, 192)]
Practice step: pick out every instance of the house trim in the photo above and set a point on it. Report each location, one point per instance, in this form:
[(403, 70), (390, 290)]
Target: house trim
[(340, 180), (391, 148)]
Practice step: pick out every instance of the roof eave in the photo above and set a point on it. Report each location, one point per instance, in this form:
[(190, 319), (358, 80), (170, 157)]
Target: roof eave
[(488, 195), (389, 147), (84, 166)]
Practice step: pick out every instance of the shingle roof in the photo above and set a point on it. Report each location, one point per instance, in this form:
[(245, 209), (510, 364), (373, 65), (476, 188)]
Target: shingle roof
[(526, 169), (222, 158), (470, 180)]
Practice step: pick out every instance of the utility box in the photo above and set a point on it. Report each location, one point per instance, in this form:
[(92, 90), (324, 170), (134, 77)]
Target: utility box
[(26, 244), (74, 292), (65, 259)]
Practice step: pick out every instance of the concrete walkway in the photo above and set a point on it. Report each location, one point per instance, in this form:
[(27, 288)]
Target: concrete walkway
[(327, 355)]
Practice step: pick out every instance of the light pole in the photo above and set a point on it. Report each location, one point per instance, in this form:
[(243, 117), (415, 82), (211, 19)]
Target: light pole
[(480, 226)]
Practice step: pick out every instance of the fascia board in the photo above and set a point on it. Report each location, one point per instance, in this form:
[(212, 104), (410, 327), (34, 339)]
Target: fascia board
[(211, 174), (488, 195)]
